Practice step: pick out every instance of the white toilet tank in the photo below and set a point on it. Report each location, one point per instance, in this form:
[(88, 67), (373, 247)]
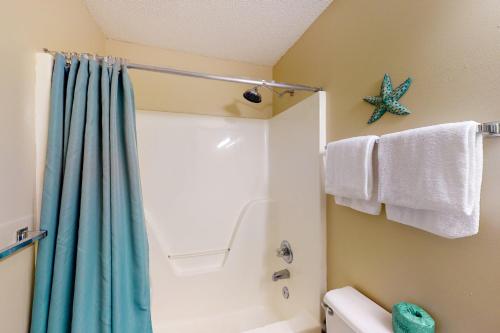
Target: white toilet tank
[(349, 311)]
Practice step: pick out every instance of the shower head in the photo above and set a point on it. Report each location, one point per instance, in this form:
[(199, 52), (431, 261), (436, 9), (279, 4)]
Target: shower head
[(253, 95)]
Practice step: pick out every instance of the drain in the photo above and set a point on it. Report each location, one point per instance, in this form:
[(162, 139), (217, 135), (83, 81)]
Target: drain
[(285, 292)]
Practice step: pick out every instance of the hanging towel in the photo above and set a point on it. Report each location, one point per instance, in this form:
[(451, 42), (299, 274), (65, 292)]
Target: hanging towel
[(430, 178), (350, 173)]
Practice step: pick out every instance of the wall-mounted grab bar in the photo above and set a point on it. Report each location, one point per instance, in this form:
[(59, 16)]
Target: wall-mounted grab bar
[(23, 239)]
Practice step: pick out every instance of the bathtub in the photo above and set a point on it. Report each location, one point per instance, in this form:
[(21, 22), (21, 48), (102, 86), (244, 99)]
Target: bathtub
[(251, 320)]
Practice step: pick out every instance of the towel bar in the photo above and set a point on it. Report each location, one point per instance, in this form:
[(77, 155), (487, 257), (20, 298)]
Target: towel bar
[(491, 128), (23, 239)]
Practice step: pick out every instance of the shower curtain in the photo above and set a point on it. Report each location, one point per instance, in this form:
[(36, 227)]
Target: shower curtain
[(92, 270)]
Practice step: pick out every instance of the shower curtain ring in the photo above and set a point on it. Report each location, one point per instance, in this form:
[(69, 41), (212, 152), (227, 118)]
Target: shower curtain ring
[(67, 57)]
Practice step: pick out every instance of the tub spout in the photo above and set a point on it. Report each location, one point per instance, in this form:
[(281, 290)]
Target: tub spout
[(280, 275)]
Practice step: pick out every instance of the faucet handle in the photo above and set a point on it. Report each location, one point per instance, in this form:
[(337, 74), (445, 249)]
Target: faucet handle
[(281, 252), (285, 252)]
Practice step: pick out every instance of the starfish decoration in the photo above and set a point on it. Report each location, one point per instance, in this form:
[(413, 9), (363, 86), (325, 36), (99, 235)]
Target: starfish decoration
[(388, 99)]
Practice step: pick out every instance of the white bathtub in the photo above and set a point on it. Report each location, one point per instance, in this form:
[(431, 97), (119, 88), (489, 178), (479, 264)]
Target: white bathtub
[(251, 320)]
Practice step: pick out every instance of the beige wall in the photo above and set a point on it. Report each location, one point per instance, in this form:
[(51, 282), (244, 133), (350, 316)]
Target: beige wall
[(451, 49), (25, 28), (162, 92)]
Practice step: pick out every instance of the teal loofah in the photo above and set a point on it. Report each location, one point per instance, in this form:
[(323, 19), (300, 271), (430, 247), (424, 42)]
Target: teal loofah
[(410, 318)]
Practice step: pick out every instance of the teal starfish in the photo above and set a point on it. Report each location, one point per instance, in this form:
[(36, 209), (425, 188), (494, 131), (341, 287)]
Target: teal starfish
[(388, 99)]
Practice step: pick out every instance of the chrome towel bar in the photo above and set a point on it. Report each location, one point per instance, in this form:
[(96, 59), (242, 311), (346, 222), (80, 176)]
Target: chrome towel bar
[(23, 239), (489, 129)]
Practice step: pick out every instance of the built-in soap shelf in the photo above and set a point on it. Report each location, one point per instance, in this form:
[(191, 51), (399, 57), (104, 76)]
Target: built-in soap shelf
[(198, 254), (200, 261)]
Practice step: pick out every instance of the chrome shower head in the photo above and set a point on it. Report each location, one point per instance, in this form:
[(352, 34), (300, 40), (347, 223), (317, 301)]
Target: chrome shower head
[(253, 95)]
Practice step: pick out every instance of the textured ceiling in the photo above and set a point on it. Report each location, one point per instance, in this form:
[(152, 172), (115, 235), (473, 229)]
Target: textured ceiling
[(255, 31)]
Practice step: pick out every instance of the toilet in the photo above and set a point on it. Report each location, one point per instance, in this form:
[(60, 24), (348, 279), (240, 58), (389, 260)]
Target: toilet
[(349, 311)]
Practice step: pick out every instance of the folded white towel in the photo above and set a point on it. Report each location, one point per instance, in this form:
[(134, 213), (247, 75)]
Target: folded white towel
[(349, 173), (430, 178)]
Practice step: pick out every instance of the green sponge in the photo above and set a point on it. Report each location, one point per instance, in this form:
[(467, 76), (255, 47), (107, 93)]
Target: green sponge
[(410, 318)]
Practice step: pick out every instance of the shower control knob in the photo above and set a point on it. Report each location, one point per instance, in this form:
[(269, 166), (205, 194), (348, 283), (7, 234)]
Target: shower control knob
[(285, 252), (282, 252)]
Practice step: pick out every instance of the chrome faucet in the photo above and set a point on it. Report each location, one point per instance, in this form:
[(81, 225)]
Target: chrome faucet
[(280, 275)]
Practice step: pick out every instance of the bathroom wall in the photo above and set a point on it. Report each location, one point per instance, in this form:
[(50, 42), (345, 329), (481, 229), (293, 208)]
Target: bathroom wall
[(162, 92), (450, 49), (25, 28)]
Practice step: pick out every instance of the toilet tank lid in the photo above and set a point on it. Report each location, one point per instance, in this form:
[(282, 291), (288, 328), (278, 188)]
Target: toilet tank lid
[(359, 312)]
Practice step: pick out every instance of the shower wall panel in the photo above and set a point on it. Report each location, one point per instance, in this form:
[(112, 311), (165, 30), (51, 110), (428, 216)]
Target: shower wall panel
[(205, 193)]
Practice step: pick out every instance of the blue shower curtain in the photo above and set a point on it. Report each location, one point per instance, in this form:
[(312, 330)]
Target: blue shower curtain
[(92, 270)]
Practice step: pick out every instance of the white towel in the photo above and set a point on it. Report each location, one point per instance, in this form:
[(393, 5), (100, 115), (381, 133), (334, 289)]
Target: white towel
[(430, 178), (350, 175)]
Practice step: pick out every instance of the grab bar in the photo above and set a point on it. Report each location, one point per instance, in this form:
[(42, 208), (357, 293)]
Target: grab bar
[(23, 239)]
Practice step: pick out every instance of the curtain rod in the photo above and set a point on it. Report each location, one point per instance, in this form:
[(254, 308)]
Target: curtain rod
[(174, 71)]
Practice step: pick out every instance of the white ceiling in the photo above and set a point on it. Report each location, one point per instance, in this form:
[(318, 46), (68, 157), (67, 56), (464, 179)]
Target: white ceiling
[(255, 31)]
